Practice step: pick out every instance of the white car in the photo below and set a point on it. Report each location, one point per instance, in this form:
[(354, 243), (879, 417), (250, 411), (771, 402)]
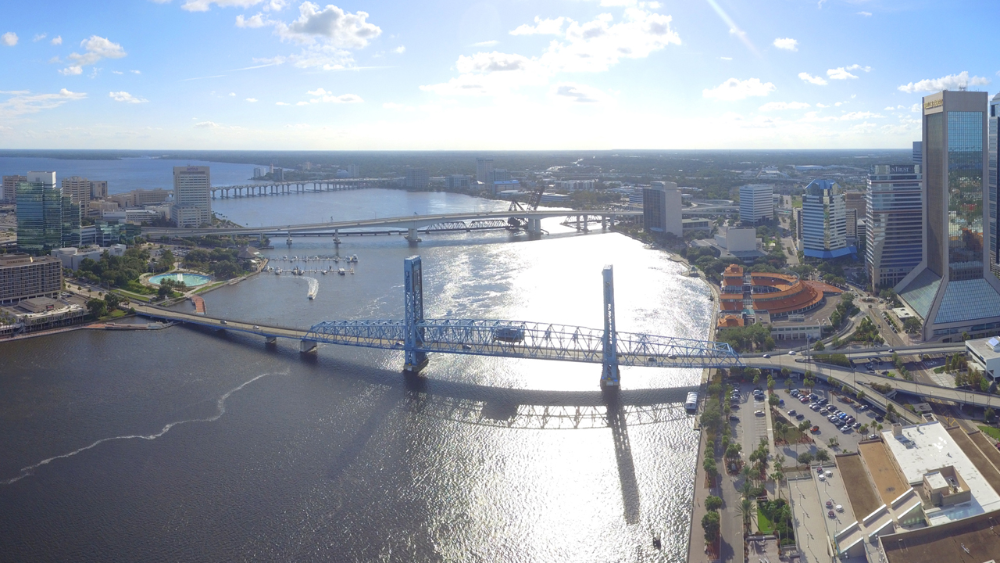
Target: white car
[(792, 353), (758, 413)]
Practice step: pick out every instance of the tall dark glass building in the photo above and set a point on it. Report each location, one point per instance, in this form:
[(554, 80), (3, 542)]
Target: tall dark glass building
[(994, 155), (895, 223), (953, 289), (39, 213)]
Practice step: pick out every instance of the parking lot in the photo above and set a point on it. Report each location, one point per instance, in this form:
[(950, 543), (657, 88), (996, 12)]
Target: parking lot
[(846, 440)]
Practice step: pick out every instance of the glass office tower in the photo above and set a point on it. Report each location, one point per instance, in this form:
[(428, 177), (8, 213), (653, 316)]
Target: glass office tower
[(994, 155), (70, 225), (39, 213), (953, 289), (895, 223)]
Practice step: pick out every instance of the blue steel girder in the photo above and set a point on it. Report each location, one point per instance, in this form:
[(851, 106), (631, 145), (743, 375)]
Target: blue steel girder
[(530, 340)]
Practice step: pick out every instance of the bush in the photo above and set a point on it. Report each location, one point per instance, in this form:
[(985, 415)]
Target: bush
[(710, 523), (713, 503)]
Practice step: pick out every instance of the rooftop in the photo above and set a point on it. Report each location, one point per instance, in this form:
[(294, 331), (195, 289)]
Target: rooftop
[(973, 540), (925, 448), (985, 347)]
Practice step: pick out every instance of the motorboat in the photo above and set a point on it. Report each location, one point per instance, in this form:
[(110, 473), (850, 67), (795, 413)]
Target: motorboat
[(342, 272)]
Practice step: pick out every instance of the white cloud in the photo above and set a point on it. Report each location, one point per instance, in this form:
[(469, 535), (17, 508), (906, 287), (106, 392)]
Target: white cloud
[(726, 58), (207, 125), (57, 40), (819, 81), (492, 62), (950, 82), (592, 46), (40, 36), (542, 27), (21, 102), (9, 39), (232, 94), (252, 100), (787, 44), (322, 96), (136, 71), (578, 93), (282, 104), (778, 106), (400, 50), (489, 43), (253, 21), (117, 72), (865, 14), (734, 89), (97, 48), (126, 98), (843, 73), (332, 25)]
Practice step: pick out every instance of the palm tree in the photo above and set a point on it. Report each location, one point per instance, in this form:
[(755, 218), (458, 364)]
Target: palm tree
[(747, 509), (777, 477)]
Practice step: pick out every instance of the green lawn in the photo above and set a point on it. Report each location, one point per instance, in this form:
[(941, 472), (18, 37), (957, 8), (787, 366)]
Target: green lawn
[(763, 524), (990, 431)]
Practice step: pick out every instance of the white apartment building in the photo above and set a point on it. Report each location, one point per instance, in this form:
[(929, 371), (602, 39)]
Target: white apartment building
[(192, 196), (756, 203)]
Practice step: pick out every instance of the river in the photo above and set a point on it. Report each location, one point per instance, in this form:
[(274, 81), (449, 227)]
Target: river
[(184, 444)]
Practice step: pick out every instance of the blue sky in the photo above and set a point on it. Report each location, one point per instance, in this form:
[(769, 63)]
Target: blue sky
[(545, 74)]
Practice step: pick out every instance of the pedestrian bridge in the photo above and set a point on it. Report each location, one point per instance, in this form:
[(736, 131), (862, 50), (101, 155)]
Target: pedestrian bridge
[(417, 337)]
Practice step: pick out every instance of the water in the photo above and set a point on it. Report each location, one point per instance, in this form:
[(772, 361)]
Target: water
[(189, 444), (128, 174), (190, 280)]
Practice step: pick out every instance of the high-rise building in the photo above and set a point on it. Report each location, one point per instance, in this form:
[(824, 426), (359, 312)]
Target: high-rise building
[(457, 181), (39, 213), (993, 204), (26, 277), (756, 203), (10, 184), (852, 223), (98, 189), (855, 201), (192, 196), (894, 223), (824, 221), (417, 178), (661, 209), (918, 152), (71, 216), (953, 289), (484, 171), (353, 171), (78, 189)]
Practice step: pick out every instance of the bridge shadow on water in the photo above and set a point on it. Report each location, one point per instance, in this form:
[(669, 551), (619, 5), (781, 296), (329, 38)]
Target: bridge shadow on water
[(498, 407)]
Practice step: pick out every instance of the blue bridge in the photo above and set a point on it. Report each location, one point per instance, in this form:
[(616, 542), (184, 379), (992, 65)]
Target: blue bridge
[(417, 337)]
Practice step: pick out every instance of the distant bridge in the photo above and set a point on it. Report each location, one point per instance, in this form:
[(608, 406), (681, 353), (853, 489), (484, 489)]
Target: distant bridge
[(268, 188), (417, 336), (409, 225)]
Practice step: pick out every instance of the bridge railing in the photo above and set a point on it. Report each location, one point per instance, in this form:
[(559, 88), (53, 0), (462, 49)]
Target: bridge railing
[(370, 334)]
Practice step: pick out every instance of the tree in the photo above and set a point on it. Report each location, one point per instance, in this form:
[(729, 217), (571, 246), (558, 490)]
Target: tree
[(97, 307), (748, 511), (733, 451), (819, 346), (805, 425), (822, 455), (112, 301), (988, 414), (804, 458), (709, 466), (710, 523), (834, 442), (713, 503), (773, 400), (863, 429)]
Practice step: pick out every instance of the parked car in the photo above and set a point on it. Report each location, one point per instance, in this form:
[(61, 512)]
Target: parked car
[(766, 356), (758, 413), (792, 412), (734, 418), (799, 416), (814, 429)]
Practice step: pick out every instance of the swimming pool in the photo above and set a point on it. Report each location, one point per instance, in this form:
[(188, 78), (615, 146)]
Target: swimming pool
[(190, 280)]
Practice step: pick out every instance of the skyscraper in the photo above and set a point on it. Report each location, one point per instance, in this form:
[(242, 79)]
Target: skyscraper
[(77, 188), (9, 190), (484, 171), (192, 196), (824, 221), (70, 217), (952, 289), (416, 178), (918, 152), (756, 203), (992, 206), (894, 224), (39, 213), (661, 209)]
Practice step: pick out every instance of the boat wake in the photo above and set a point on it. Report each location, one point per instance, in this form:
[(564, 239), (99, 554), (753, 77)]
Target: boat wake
[(313, 287), (220, 406)]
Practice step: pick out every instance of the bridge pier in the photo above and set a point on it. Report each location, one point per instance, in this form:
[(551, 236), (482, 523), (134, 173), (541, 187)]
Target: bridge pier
[(414, 305), (307, 346), (411, 235), (336, 237), (610, 376)]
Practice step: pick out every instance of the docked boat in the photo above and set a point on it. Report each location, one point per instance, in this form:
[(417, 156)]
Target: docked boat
[(342, 272), (691, 403), (353, 259)]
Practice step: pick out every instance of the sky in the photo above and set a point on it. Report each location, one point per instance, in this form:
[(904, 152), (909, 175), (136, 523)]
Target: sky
[(450, 75)]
